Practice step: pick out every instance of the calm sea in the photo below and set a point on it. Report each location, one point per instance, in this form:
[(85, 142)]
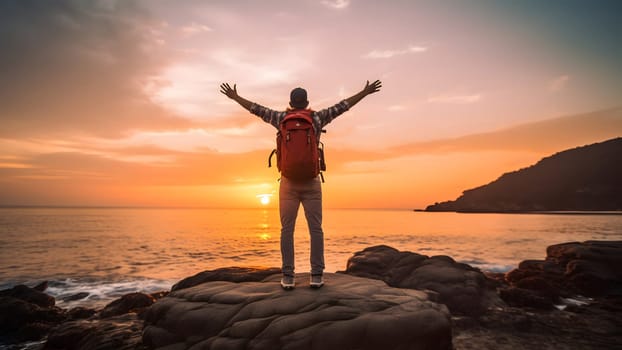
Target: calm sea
[(112, 251)]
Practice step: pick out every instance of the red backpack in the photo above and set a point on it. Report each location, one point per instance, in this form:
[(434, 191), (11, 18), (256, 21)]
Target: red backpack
[(297, 153)]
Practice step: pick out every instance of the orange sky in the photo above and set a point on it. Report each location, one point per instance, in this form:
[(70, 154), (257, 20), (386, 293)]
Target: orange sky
[(117, 102)]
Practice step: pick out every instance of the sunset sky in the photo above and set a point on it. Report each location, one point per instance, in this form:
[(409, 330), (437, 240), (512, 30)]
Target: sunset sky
[(116, 103)]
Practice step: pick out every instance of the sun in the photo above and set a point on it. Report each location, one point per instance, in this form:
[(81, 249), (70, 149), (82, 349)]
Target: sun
[(264, 199)]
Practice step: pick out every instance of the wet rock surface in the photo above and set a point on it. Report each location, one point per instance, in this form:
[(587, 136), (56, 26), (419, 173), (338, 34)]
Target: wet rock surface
[(34, 295), (117, 326), (347, 313), (114, 333), (583, 327), (27, 314), (570, 300), (591, 269), (132, 302)]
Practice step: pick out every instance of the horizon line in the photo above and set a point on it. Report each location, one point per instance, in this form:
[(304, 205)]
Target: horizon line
[(48, 206)]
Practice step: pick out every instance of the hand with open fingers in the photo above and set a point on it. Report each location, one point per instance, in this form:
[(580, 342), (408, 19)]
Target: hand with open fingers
[(228, 91), (373, 87)]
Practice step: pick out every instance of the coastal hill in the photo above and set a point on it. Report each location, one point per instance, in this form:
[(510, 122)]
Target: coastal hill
[(587, 178)]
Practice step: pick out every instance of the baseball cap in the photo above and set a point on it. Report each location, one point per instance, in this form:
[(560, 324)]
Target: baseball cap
[(298, 98)]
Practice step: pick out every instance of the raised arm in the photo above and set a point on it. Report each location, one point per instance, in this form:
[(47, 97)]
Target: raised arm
[(233, 94), (368, 89)]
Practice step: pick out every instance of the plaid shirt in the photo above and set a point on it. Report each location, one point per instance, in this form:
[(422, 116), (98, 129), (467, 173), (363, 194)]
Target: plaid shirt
[(320, 118)]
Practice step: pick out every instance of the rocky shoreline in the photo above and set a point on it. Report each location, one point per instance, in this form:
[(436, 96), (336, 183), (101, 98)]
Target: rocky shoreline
[(385, 299)]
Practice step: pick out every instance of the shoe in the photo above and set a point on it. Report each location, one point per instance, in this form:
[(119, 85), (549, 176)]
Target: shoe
[(287, 282), (317, 281)]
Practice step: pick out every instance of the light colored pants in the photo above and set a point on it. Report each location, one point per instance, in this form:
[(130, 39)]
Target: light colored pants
[(291, 194)]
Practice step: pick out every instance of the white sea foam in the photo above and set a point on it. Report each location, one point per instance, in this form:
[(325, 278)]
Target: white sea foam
[(35, 345), (490, 267), (577, 300), (101, 292)]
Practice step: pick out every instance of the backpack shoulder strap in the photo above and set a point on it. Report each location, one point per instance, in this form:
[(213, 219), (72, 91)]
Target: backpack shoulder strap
[(274, 152)]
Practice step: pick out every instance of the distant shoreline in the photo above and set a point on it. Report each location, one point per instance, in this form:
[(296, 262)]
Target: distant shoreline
[(544, 212), (179, 207)]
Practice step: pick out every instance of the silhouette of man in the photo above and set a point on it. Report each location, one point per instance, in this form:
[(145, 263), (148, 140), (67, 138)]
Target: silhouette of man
[(308, 193)]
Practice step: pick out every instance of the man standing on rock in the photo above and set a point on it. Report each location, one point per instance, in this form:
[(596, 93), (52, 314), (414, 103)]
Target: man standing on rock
[(293, 190)]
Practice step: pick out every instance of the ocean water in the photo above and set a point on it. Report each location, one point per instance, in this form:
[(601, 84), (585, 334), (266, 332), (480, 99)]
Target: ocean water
[(108, 252)]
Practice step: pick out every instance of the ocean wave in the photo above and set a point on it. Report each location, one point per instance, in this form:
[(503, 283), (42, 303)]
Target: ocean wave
[(490, 267), (520, 241), (96, 293)]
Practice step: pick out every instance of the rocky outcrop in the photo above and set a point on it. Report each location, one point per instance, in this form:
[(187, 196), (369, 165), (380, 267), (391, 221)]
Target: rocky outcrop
[(347, 313), (118, 326), (245, 308), (80, 313), (464, 289), (132, 302), (34, 295), (114, 333), (593, 326), (590, 269), (27, 314)]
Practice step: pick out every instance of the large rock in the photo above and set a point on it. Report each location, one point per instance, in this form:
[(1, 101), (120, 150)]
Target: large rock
[(462, 288), (347, 313), (118, 327), (31, 295), (590, 268), (132, 302), (27, 314)]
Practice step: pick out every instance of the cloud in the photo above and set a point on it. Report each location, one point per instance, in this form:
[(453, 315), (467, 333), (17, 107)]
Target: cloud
[(558, 83), (281, 65), (191, 87), (147, 174), (547, 136), (396, 108), (118, 177), (336, 4), (15, 165), (80, 67), (194, 29), (380, 54), (189, 168), (455, 99)]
